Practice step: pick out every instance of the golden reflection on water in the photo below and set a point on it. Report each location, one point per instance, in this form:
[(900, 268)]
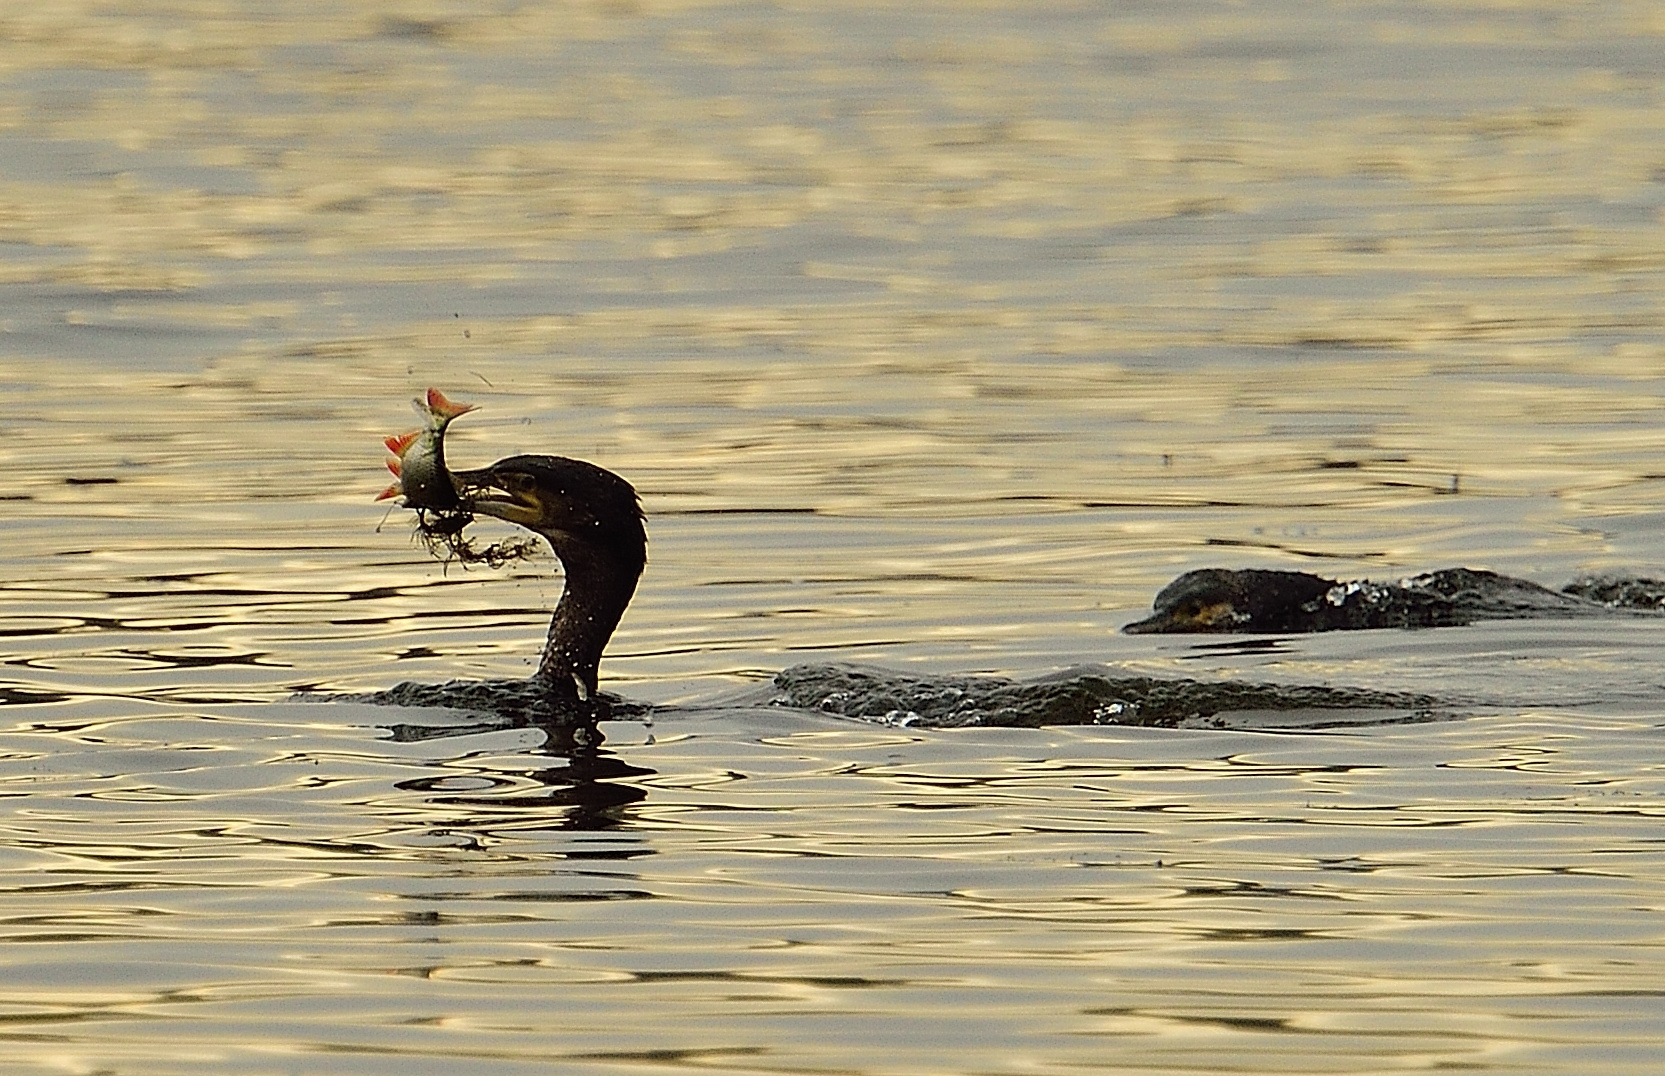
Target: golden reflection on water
[(940, 337), (805, 896)]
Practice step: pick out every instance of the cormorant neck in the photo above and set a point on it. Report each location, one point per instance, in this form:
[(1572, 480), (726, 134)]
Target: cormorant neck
[(599, 585)]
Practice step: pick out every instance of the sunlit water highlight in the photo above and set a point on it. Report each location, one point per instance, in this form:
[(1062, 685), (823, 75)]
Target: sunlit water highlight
[(936, 339)]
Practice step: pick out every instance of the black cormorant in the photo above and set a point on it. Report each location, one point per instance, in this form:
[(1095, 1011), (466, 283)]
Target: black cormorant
[(1248, 601), (593, 522)]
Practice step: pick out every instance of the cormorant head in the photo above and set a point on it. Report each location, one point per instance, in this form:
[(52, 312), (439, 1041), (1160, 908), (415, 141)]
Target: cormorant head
[(590, 515), (594, 524), (1223, 600)]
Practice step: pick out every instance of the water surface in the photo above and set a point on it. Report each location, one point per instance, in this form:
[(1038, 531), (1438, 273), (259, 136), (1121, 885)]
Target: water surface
[(936, 339)]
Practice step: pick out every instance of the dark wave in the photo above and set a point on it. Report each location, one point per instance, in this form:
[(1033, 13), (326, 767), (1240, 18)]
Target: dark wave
[(1086, 695)]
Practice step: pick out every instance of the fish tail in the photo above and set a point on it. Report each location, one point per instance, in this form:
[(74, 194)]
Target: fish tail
[(445, 409)]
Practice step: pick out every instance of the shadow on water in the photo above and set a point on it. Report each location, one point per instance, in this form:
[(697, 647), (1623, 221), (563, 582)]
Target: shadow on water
[(585, 787)]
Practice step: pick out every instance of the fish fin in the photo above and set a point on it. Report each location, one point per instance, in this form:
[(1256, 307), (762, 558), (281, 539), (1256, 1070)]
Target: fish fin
[(400, 444), (439, 405), (394, 466), (390, 491)]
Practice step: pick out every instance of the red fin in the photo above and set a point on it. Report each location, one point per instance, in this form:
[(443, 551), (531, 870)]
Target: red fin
[(400, 444), (390, 491), (393, 465), (438, 404)]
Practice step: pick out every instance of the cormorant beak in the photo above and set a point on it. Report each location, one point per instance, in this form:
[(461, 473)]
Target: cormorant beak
[(1189, 618), (509, 495)]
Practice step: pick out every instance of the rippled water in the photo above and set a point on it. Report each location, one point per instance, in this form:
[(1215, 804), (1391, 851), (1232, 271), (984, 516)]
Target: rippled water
[(938, 340)]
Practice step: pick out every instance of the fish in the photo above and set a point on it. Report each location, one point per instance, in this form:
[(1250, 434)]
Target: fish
[(425, 484), (419, 458)]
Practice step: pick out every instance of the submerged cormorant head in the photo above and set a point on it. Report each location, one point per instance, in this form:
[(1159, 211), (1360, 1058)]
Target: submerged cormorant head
[(594, 524), (1224, 600)]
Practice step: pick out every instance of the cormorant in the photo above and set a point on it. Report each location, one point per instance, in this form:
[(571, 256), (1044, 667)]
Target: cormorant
[(1251, 601), (593, 521)]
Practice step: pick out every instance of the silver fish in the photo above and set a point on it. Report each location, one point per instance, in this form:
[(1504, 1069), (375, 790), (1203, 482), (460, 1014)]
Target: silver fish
[(419, 458)]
